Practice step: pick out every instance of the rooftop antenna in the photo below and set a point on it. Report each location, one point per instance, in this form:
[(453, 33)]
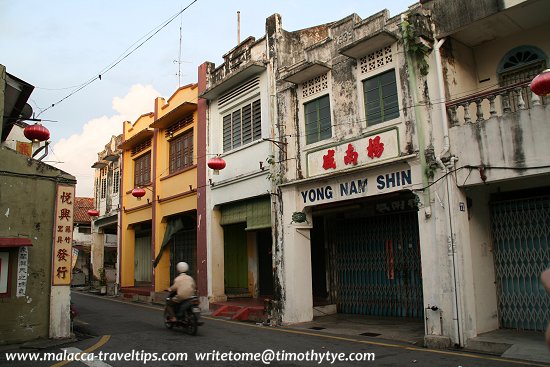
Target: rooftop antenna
[(178, 61), (238, 27), (179, 55)]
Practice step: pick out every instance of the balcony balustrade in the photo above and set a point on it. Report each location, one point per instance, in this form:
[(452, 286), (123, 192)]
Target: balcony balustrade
[(479, 107)]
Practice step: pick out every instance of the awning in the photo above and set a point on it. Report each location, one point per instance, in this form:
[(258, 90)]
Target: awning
[(368, 44), (304, 71), (14, 242), (174, 225), (235, 78), (138, 138)]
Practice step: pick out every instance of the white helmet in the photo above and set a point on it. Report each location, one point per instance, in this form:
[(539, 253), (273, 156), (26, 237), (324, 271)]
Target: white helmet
[(182, 267)]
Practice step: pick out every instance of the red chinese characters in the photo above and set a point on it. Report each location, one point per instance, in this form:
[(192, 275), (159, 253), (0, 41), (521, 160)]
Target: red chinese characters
[(62, 253), (375, 148), (351, 155), (328, 160)]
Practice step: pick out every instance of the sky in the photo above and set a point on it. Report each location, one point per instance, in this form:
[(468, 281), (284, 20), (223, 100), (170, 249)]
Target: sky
[(60, 45)]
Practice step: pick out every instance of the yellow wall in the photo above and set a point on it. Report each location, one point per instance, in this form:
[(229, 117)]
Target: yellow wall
[(168, 195), (133, 210), (173, 192)]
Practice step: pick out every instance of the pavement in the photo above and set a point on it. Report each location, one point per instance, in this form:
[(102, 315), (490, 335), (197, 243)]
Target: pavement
[(510, 344)]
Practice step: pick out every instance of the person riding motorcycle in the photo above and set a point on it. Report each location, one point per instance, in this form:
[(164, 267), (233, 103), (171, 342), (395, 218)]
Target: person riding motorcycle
[(184, 287)]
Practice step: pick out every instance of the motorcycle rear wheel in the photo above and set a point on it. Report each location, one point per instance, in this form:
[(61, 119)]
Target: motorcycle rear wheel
[(167, 324), (192, 327)]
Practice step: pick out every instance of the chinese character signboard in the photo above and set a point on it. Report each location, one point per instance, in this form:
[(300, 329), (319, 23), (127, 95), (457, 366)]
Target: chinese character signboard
[(63, 236), (361, 152), (22, 267)]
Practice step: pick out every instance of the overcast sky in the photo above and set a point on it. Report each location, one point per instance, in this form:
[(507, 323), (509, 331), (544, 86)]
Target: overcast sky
[(56, 45)]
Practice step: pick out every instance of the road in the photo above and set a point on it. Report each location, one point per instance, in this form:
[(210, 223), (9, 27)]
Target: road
[(108, 326)]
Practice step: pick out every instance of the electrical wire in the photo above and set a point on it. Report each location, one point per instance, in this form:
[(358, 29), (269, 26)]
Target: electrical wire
[(121, 58)]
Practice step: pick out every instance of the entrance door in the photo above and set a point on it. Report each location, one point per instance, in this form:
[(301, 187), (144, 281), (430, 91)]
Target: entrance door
[(142, 260), (265, 262), (521, 235), (318, 263), (375, 265), (235, 259), (184, 248)]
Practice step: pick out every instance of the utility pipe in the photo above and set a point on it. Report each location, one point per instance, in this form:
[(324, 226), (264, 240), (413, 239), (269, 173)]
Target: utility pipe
[(448, 212)]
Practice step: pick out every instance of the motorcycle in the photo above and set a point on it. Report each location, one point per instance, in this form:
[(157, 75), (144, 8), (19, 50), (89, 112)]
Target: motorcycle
[(188, 315)]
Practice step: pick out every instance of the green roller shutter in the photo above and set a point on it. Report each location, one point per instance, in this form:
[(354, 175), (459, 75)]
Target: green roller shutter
[(256, 213)]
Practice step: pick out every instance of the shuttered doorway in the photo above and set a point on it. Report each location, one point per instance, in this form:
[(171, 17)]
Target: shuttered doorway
[(142, 259), (521, 236), (375, 265)]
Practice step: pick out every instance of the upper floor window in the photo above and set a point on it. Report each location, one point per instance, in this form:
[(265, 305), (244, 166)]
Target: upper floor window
[(181, 152), (103, 187), (242, 126), (381, 99), (116, 181), (142, 170), (317, 118), (520, 64)]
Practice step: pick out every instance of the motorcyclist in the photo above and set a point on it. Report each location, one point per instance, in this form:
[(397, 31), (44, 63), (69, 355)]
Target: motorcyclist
[(184, 287)]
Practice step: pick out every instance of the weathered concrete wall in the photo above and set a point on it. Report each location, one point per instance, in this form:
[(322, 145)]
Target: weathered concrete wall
[(452, 15), (517, 139), (27, 204)]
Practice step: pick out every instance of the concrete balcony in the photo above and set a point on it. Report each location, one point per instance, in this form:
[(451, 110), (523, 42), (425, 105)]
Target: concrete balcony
[(501, 134)]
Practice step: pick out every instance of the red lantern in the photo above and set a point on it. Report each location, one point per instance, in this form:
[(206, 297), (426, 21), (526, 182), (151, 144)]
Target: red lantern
[(36, 132), (93, 213), (216, 164), (540, 85), (138, 192)]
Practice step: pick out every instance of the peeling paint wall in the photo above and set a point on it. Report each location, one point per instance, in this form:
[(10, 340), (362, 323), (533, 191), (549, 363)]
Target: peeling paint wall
[(27, 207)]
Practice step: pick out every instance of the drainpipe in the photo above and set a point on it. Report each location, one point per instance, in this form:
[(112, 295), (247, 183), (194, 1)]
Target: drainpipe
[(448, 212)]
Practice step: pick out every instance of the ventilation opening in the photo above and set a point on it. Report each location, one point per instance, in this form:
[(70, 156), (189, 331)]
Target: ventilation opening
[(239, 92)]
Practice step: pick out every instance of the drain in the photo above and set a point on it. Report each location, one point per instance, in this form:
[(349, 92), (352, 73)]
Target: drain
[(369, 334), (317, 328)]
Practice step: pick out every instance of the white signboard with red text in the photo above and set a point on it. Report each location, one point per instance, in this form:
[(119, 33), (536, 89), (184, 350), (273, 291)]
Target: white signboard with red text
[(63, 236), (361, 152)]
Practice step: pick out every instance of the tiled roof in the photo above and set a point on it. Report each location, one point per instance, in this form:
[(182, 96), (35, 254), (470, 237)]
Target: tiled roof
[(81, 206)]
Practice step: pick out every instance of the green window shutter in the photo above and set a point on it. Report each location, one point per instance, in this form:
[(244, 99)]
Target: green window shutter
[(318, 121), (227, 133), (257, 119), (381, 99), (247, 124), (236, 126)]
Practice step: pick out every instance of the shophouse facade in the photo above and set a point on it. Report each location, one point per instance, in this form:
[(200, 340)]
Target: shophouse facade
[(104, 255), (236, 108), (82, 241), (348, 220), (393, 202), (158, 197), (497, 159)]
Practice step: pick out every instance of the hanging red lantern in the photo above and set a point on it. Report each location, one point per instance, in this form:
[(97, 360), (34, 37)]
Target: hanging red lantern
[(540, 85), (36, 132), (93, 212), (217, 164), (138, 192)]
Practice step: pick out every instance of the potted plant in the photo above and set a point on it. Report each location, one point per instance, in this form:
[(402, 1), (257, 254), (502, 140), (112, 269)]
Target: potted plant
[(102, 281)]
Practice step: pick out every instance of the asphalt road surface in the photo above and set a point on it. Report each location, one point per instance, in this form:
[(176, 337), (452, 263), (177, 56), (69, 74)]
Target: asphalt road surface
[(118, 333)]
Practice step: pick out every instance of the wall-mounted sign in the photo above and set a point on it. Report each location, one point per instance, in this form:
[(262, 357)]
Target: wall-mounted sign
[(369, 150), (22, 268), (355, 186), (63, 236)]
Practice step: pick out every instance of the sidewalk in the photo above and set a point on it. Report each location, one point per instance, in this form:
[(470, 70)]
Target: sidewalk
[(512, 344)]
